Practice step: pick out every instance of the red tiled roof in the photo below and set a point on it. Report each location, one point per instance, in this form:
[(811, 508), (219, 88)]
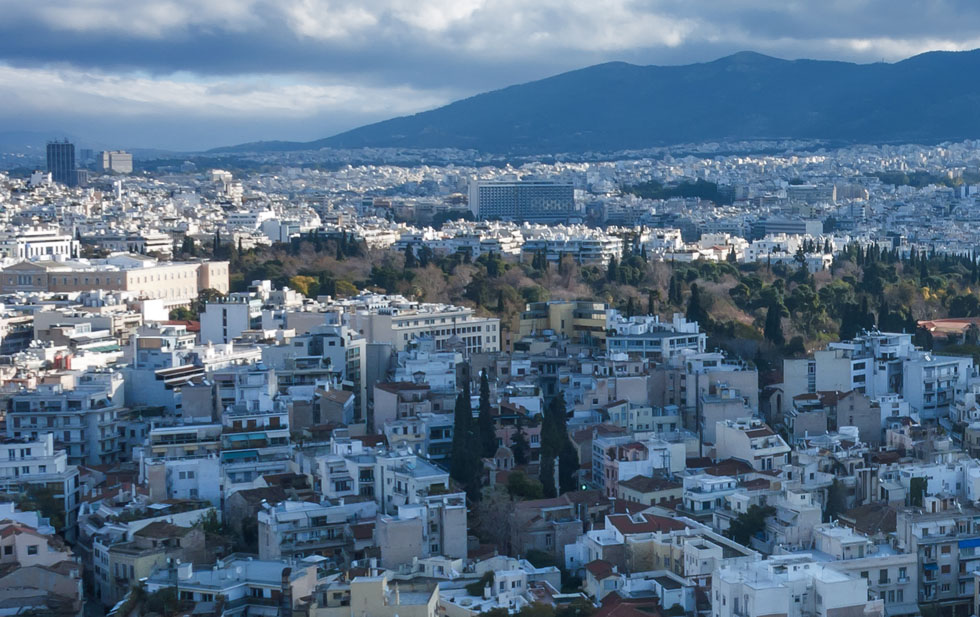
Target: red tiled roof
[(599, 569), (648, 523)]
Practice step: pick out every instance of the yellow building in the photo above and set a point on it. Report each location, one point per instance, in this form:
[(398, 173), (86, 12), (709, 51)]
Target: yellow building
[(579, 321), (176, 283)]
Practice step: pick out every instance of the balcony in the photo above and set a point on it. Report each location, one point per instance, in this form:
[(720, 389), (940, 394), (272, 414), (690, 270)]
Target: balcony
[(250, 601)]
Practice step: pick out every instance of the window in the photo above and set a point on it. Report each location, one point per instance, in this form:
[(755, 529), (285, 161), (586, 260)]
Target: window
[(8, 550), (32, 549)]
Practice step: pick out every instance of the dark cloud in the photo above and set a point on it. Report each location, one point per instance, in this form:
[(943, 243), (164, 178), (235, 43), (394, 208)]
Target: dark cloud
[(447, 48)]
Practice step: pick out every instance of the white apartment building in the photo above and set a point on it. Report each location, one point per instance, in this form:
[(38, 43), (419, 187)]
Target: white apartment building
[(402, 478), (752, 441), (248, 586), (397, 321), (615, 459), (704, 493), (82, 414), (299, 528), (893, 576), (117, 161), (648, 337), (189, 477), (582, 244), (26, 463), (880, 364), (227, 319), (38, 243), (791, 585)]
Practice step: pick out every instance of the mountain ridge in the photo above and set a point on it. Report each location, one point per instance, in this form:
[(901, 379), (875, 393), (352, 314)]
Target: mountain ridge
[(747, 95)]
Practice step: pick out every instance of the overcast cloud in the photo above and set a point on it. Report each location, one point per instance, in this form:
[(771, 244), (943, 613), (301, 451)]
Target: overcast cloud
[(201, 73)]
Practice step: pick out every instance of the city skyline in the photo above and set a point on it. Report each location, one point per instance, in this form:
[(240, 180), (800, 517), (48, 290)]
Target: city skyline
[(155, 75)]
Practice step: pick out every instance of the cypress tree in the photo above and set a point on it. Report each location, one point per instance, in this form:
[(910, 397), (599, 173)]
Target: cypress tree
[(546, 474), (612, 271), (410, 261), (774, 326), (488, 437), (650, 302), (461, 463), (520, 447), (568, 467), (695, 311)]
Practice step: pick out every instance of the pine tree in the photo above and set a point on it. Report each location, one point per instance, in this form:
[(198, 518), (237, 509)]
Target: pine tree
[(488, 437)]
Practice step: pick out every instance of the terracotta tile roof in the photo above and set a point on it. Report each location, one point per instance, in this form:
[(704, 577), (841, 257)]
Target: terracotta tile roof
[(599, 569), (644, 523), (729, 467), (645, 484)]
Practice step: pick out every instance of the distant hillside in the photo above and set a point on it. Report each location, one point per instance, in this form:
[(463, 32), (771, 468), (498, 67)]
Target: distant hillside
[(615, 106)]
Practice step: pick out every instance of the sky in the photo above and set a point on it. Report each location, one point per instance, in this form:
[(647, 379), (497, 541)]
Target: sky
[(195, 74)]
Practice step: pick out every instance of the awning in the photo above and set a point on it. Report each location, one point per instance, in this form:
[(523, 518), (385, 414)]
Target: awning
[(239, 454), (929, 566), (102, 349), (972, 542), (245, 436)]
